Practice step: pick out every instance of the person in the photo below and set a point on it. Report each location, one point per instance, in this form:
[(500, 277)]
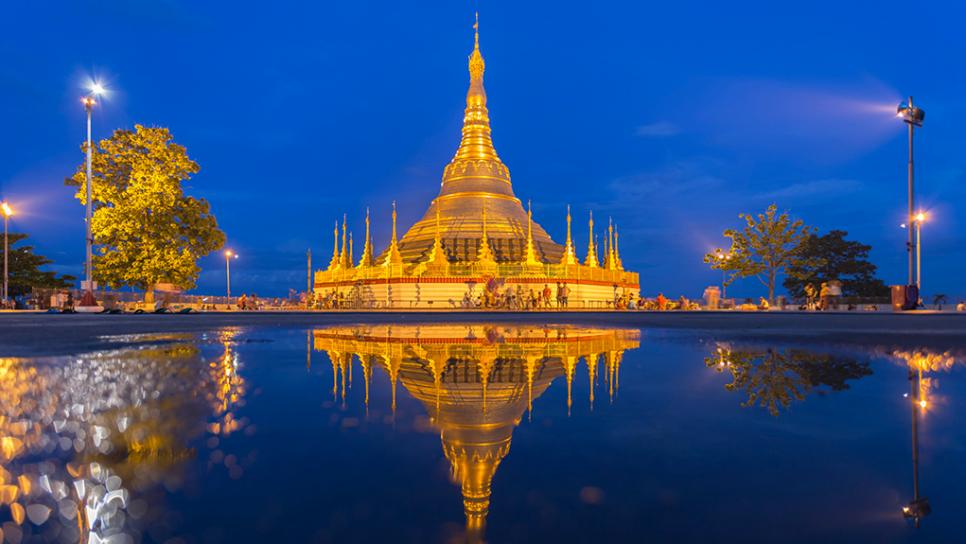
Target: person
[(763, 304), (566, 295), (684, 303), (546, 295), (466, 300), (834, 293), (661, 302), (809, 296), (823, 297)]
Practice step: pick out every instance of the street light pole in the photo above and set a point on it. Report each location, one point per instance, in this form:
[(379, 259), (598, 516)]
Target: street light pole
[(228, 274), (87, 300), (912, 116), (229, 254), (7, 212), (919, 219)]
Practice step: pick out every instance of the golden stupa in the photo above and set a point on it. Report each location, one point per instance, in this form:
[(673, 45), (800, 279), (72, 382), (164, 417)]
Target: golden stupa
[(476, 382), (476, 230)]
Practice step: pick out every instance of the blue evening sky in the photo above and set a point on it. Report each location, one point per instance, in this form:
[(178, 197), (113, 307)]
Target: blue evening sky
[(672, 117)]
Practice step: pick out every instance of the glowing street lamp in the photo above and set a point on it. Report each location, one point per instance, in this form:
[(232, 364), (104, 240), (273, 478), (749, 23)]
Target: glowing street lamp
[(96, 89), (7, 212), (229, 255), (913, 116)]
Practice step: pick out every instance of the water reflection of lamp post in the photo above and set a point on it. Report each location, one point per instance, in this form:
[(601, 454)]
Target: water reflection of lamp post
[(919, 507)]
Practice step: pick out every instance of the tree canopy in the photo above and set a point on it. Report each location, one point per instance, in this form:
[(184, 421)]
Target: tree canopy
[(769, 244), (832, 257), (24, 267), (145, 229)]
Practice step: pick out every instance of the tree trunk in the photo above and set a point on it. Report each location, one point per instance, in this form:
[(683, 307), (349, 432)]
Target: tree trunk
[(771, 287)]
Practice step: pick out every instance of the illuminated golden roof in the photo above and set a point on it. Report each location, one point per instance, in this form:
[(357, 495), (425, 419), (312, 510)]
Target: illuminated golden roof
[(474, 176)]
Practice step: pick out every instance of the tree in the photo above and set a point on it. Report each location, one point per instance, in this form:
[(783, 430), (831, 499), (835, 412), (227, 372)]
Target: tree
[(772, 379), (768, 245), (146, 229), (25, 273), (832, 257)]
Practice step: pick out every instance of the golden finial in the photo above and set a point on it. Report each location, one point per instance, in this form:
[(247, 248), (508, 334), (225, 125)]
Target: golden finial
[(608, 246), (437, 257), (367, 248), (617, 253), (531, 257), (393, 257), (485, 254), (569, 256), (351, 252), (345, 261), (477, 66), (591, 260), (334, 263)]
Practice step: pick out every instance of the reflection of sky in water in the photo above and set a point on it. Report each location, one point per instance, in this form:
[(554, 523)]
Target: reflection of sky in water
[(439, 433)]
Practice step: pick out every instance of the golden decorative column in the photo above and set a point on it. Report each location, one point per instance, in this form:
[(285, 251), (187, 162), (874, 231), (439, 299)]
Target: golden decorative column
[(591, 260)]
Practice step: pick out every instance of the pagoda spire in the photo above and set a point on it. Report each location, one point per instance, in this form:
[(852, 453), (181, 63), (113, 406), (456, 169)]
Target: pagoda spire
[(485, 254), (591, 260), (609, 247), (334, 263), (569, 256), (437, 257), (344, 260), (367, 248), (393, 257), (351, 252), (477, 142), (617, 253), (530, 257)]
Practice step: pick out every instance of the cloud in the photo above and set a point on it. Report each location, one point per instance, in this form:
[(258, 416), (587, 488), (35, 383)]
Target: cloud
[(681, 178), (819, 187), (660, 129)]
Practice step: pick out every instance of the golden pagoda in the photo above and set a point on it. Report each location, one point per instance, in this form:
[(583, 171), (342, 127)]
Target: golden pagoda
[(476, 381), (475, 230)]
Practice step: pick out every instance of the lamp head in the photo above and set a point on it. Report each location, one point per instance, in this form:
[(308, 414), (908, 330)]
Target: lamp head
[(6, 209), (96, 88), (920, 217), (911, 114)]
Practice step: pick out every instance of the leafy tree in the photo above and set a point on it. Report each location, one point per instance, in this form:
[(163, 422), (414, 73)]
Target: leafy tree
[(24, 267), (146, 229), (832, 257), (772, 379), (769, 244)]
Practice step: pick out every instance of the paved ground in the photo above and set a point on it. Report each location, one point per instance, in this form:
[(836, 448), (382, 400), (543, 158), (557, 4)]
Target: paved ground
[(24, 335)]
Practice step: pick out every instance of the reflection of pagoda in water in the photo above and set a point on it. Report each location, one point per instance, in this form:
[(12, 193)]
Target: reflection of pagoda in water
[(476, 381), (475, 238)]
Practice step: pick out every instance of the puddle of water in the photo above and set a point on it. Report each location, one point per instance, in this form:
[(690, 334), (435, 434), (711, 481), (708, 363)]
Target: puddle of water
[(480, 432)]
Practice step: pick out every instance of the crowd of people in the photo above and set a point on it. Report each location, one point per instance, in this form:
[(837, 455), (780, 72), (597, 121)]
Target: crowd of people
[(519, 298)]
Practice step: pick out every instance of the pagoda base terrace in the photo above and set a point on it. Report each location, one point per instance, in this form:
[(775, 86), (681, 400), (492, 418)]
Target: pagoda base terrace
[(458, 286)]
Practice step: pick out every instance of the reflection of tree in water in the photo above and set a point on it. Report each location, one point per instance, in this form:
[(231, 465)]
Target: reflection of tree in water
[(773, 378), (89, 445)]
